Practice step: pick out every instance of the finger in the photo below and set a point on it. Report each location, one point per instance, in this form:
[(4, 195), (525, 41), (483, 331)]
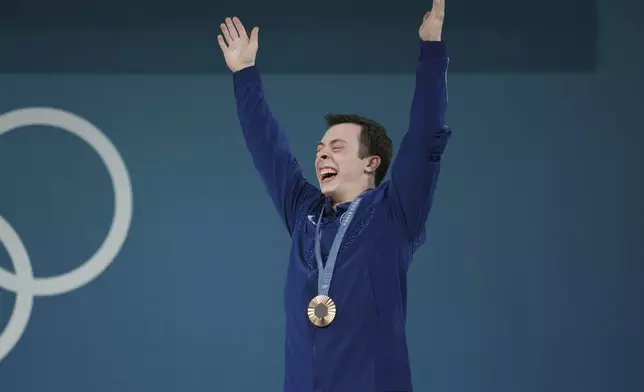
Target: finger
[(254, 35), (231, 29), (224, 30), (427, 15), (240, 28), (438, 7), (222, 44)]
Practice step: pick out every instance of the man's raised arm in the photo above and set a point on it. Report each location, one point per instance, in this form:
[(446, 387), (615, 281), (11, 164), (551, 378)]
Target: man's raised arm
[(268, 145), (414, 173)]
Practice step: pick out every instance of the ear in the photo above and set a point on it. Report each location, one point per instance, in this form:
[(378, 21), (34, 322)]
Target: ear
[(372, 164)]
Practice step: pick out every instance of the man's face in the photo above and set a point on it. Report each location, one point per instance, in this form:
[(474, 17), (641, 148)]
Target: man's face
[(338, 166)]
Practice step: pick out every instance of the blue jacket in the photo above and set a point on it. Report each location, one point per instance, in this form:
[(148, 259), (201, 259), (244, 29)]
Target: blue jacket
[(365, 348)]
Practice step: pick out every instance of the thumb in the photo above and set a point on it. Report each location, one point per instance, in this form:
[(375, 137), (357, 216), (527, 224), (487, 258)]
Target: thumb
[(254, 35), (427, 15)]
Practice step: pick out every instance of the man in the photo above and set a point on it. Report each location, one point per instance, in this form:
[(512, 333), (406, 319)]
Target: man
[(353, 239)]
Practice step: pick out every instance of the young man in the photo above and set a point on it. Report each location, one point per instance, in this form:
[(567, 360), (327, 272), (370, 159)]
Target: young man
[(353, 239)]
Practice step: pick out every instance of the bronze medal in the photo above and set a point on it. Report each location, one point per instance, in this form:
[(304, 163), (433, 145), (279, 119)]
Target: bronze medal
[(322, 311)]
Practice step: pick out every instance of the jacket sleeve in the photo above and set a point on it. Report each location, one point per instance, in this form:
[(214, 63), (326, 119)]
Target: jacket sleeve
[(270, 148), (415, 170)]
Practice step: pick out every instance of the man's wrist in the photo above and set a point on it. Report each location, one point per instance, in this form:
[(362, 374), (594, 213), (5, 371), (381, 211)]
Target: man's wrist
[(244, 66)]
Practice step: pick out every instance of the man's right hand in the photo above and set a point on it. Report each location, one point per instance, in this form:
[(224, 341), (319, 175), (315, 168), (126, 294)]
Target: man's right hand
[(239, 50)]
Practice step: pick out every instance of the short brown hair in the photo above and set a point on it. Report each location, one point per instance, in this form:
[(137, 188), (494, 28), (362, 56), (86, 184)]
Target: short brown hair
[(373, 140)]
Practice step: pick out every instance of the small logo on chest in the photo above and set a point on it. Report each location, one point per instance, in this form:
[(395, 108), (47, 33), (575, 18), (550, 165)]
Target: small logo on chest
[(313, 220)]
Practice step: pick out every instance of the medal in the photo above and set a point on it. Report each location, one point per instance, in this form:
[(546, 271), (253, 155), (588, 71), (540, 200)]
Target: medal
[(321, 311)]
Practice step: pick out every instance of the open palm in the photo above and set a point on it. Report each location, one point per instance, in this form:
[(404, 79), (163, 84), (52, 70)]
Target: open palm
[(239, 50)]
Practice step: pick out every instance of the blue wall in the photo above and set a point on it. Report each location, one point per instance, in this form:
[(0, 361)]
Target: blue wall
[(530, 281)]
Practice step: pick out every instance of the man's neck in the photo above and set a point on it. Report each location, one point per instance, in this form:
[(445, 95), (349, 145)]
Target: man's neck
[(349, 196)]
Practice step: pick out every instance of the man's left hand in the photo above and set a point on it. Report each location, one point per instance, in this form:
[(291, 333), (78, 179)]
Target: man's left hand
[(432, 26)]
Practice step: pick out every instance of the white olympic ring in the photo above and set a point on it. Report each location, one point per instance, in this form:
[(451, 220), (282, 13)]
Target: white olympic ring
[(23, 283)]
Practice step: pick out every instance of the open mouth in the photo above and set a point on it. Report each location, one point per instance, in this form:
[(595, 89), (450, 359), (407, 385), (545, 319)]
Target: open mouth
[(327, 174)]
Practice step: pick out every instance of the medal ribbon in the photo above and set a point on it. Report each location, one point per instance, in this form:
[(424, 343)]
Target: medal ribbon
[(325, 273)]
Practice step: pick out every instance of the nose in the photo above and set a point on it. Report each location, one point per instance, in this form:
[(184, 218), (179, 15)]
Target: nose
[(322, 154)]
